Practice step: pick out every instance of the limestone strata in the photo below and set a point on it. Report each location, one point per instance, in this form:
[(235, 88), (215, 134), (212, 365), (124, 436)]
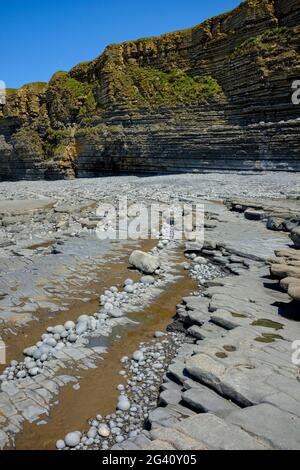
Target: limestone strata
[(286, 267), (237, 388), (216, 96)]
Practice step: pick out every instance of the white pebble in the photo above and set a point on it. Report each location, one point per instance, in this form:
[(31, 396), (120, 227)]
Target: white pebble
[(73, 439)]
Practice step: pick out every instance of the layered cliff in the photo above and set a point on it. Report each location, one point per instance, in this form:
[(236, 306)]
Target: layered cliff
[(213, 97)]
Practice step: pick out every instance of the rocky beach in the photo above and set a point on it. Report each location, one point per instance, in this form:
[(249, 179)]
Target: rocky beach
[(153, 343), (149, 229)]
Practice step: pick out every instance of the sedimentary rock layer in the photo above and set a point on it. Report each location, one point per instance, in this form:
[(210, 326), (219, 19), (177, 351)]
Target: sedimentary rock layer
[(214, 97)]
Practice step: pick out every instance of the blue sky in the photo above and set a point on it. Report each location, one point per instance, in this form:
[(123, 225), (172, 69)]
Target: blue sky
[(39, 37)]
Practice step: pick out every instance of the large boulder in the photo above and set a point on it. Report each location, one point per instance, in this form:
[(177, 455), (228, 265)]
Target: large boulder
[(144, 262), (252, 214), (295, 236), (275, 223), (284, 270), (294, 291), (288, 253), (287, 282)]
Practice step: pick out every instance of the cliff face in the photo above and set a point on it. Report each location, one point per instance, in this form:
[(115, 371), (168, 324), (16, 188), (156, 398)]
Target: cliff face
[(213, 97)]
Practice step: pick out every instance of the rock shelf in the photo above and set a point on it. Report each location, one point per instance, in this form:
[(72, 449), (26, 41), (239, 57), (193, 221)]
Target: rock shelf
[(224, 374)]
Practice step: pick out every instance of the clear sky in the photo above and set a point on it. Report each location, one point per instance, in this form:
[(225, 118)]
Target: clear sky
[(40, 37)]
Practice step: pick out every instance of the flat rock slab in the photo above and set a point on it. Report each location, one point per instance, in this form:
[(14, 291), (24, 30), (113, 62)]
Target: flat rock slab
[(217, 434), (25, 205), (177, 439), (72, 208), (206, 400), (277, 428)]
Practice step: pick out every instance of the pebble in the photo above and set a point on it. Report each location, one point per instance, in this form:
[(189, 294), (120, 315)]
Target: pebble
[(73, 439), (138, 356), (147, 280), (69, 325), (159, 334), (123, 403), (103, 430), (60, 445), (34, 371), (129, 289)]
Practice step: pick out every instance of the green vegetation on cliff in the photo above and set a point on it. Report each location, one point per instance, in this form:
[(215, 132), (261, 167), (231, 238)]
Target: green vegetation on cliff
[(35, 87), (268, 39), (69, 98), (195, 77), (28, 144), (153, 88)]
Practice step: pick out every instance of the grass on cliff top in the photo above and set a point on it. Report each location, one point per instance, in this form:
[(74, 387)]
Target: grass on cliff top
[(149, 87), (262, 41), (36, 86), (11, 91), (31, 87)]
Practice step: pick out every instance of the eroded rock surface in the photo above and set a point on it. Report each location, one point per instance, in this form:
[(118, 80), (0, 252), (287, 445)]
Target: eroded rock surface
[(215, 96)]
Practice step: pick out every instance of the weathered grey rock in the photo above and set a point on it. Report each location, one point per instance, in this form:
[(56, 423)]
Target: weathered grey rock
[(284, 270), (295, 237), (177, 439), (252, 214), (275, 223), (216, 433), (147, 280), (284, 402), (176, 370), (205, 400), (275, 427), (159, 445), (161, 417), (294, 291), (4, 439), (170, 397)]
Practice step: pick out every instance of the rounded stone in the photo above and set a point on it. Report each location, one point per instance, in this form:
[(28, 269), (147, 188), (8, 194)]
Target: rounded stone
[(51, 342), (129, 289), (92, 433), (159, 334), (69, 325), (128, 282), (59, 329), (147, 280), (21, 375), (30, 351), (103, 430), (83, 318), (81, 327), (73, 439), (44, 357), (72, 338), (34, 371), (60, 445), (37, 354), (138, 356), (108, 307), (123, 403)]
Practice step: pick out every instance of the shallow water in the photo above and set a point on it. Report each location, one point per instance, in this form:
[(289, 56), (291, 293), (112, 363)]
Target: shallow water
[(97, 393)]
